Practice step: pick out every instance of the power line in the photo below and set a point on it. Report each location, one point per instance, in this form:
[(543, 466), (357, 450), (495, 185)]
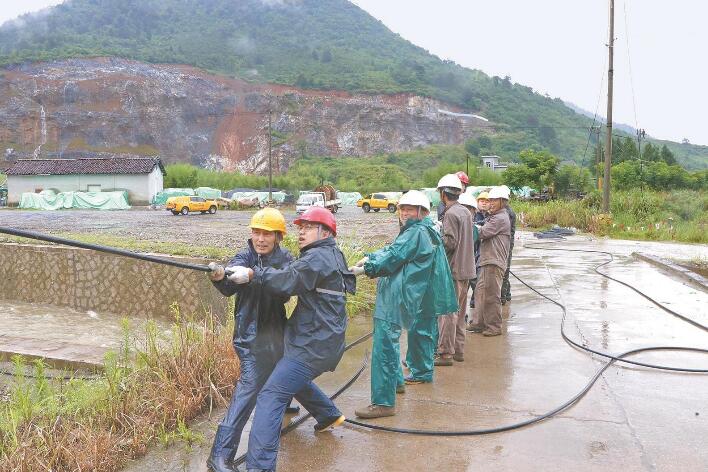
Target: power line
[(629, 63)]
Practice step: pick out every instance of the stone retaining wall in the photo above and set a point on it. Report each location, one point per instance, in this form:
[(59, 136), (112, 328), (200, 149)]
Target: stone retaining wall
[(89, 280)]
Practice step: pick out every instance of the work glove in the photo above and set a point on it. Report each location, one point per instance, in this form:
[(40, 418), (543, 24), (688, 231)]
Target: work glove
[(362, 262), (217, 272), (357, 270), (438, 226), (239, 275)]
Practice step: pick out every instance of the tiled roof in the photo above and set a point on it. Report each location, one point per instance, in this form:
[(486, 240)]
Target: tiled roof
[(116, 165), (4, 165)]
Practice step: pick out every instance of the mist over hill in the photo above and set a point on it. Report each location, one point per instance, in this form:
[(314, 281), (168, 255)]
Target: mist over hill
[(308, 44)]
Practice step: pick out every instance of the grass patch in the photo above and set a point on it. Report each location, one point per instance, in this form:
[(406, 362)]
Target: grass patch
[(148, 393), (641, 215)]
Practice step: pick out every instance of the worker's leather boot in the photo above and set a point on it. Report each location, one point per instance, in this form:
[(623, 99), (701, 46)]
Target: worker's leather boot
[(222, 451)]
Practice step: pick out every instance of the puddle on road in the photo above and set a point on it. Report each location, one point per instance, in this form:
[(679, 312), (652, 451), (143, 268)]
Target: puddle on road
[(32, 324)]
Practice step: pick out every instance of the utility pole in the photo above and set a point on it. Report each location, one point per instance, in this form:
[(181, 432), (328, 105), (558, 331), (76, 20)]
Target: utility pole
[(608, 138), (270, 158), (640, 135), (598, 157)]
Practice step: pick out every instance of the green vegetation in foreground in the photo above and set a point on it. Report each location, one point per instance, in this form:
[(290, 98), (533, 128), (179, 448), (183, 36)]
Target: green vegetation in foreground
[(643, 215), (320, 44), (147, 392)]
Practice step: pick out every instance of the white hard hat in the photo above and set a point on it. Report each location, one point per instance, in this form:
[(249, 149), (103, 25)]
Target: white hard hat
[(499, 192), (414, 198), (450, 181), (467, 199)]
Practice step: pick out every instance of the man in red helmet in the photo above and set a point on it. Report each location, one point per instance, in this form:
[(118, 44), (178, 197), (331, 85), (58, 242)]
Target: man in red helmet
[(314, 334)]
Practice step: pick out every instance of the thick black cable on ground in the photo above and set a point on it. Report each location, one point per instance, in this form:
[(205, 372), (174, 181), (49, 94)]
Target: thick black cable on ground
[(100, 248), (588, 386)]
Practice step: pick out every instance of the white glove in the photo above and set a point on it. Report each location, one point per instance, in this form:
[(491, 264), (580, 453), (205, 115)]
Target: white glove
[(438, 226), (217, 272), (362, 262), (357, 270), (239, 274)]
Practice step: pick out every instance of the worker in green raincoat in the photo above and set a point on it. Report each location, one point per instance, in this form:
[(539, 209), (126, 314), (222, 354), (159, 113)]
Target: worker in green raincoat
[(414, 288)]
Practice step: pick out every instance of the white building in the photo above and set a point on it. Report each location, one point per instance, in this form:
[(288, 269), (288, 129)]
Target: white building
[(141, 177), (492, 162)]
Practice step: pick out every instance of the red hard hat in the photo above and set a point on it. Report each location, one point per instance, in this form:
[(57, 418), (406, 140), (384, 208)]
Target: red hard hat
[(316, 214), (463, 177)]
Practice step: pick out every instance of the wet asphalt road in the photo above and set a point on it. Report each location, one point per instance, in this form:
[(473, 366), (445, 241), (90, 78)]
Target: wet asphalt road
[(634, 419)]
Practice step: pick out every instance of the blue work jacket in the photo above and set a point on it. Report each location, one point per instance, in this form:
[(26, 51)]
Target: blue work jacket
[(314, 333), (259, 317)]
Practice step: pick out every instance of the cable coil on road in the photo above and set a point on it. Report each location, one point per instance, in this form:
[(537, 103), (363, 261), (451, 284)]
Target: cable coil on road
[(612, 359), (622, 358)]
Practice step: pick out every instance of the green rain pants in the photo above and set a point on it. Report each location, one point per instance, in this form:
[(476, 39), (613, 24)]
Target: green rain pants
[(386, 370), (422, 340)]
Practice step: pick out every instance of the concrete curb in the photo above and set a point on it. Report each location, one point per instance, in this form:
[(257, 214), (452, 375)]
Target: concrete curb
[(686, 274)]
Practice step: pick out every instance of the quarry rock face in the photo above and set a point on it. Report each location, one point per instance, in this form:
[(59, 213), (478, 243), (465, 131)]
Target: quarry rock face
[(108, 105)]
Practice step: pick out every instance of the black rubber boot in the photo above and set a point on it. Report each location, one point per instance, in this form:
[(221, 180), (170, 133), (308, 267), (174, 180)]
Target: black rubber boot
[(222, 451)]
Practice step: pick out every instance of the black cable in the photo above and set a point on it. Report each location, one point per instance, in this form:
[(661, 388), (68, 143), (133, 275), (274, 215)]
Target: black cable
[(588, 386), (536, 419), (100, 248), (668, 310)]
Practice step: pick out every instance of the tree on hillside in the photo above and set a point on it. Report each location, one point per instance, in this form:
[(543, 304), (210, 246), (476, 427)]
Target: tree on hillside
[(624, 149), (650, 153), (667, 156), (472, 147), (571, 178), (537, 169)]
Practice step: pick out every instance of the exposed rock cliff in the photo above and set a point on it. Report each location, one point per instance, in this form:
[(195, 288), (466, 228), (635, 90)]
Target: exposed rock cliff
[(186, 115)]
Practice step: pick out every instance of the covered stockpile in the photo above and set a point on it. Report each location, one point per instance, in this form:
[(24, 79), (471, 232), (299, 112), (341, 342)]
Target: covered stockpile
[(49, 200)]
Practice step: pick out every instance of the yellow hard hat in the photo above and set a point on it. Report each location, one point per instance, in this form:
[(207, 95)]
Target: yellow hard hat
[(268, 219), (483, 196)]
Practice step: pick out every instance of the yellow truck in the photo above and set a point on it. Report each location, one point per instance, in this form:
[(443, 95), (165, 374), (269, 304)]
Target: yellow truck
[(183, 205), (377, 202)]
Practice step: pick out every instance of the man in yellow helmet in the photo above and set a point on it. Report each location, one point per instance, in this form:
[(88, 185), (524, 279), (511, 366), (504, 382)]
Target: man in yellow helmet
[(258, 329)]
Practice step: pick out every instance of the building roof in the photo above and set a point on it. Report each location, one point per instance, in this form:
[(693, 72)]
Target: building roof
[(4, 165), (114, 165)]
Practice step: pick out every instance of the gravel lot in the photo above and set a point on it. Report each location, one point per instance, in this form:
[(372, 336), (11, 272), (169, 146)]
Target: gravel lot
[(223, 229)]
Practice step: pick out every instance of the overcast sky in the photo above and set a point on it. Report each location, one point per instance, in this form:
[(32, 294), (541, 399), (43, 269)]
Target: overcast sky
[(559, 47)]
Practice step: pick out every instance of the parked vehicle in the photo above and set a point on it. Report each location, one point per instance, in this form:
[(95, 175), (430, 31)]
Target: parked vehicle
[(183, 205), (323, 196), (377, 202)]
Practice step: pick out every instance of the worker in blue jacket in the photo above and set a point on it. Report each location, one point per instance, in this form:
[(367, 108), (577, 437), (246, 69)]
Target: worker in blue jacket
[(414, 288), (314, 334), (258, 329)]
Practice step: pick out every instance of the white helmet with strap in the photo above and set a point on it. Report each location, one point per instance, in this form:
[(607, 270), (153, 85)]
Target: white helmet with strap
[(468, 200), (415, 198), (499, 192), (450, 183)]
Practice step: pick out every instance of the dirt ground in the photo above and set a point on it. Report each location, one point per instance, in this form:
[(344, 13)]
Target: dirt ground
[(223, 229)]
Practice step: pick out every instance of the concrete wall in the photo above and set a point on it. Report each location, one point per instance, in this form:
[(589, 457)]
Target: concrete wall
[(141, 187), (89, 280)]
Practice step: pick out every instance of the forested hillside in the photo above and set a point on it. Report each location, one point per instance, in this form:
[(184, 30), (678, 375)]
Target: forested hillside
[(324, 44)]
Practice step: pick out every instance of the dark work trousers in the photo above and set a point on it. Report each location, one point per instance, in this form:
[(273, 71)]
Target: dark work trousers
[(290, 378)]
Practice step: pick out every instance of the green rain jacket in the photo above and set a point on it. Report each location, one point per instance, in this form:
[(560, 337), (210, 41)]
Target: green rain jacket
[(415, 279)]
